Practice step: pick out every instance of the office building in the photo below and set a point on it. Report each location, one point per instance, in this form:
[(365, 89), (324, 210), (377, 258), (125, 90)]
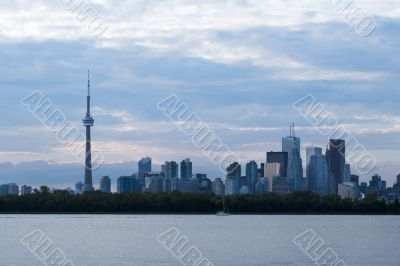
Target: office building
[(355, 179), (277, 157), (273, 170), (377, 186), (186, 169), (234, 173), (251, 175), (336, 157), (347, 174), (170, 169), (317, 171), (261, 171), (124, 184), (128, 184), (105, 184), (144, 168), (291, 145)]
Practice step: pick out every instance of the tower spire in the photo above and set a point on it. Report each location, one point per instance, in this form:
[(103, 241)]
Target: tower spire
[(88, 75)]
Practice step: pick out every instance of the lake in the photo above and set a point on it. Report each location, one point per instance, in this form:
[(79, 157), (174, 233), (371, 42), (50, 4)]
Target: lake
[(222, 241)]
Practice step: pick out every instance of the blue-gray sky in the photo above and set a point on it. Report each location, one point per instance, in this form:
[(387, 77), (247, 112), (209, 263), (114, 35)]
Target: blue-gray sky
[(240, 65)]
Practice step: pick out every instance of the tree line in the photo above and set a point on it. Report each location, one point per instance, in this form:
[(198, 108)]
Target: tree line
[(42, 201)]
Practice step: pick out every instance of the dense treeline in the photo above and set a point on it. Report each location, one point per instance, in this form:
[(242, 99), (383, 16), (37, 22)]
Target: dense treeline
[(297, 203)]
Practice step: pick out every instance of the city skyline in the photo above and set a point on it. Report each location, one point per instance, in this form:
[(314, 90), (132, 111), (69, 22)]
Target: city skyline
[(241, 78)]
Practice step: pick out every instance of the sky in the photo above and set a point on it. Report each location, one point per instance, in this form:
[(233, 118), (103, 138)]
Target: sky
[(239, 65)]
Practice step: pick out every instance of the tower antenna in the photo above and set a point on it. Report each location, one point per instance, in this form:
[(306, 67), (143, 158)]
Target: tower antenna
[(88, 74)]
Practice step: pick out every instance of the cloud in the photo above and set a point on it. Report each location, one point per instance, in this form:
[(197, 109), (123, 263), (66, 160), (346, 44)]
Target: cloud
[(239, 65)]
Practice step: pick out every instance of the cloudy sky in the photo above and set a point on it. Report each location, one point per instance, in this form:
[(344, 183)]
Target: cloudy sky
[(239, 65)]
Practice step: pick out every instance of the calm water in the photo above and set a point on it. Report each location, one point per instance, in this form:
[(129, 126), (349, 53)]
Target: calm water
[(225, 241)]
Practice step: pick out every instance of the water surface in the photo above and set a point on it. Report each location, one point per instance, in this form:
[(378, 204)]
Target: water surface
[(225, 241)]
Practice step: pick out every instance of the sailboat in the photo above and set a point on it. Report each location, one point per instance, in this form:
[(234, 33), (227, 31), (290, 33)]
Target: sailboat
[(225, 211)]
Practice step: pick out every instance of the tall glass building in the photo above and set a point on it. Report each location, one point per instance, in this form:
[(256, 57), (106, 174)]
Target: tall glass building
[(186, 169), (251, 175), (291, 145), (317, 171)]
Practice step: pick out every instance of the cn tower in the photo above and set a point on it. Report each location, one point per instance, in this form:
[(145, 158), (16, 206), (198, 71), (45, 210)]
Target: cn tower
[(88, 122)]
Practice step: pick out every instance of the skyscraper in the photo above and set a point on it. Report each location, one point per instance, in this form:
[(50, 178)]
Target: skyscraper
[(88, 122), (347, 173), (317, 171), (291, 145), (277, 157), (234, 172), (336, 157), (186, 169), (105, 184), (251, 175), (273, 170), (170, 169), (144, 167)]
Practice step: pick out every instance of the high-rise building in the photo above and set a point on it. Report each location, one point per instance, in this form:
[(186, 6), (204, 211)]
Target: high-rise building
[(347, 173), (128, 184), (124, 184), (88, 122), (273, 170), (278, 157), (144, 167), (234, 173), (377, 185), (251, 175), (317, 171), (186, 169), (26, 190), (398, 179), (170, 169), (291, 145), (105, 184), (260, 173), (355, 179), (336, 157)]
